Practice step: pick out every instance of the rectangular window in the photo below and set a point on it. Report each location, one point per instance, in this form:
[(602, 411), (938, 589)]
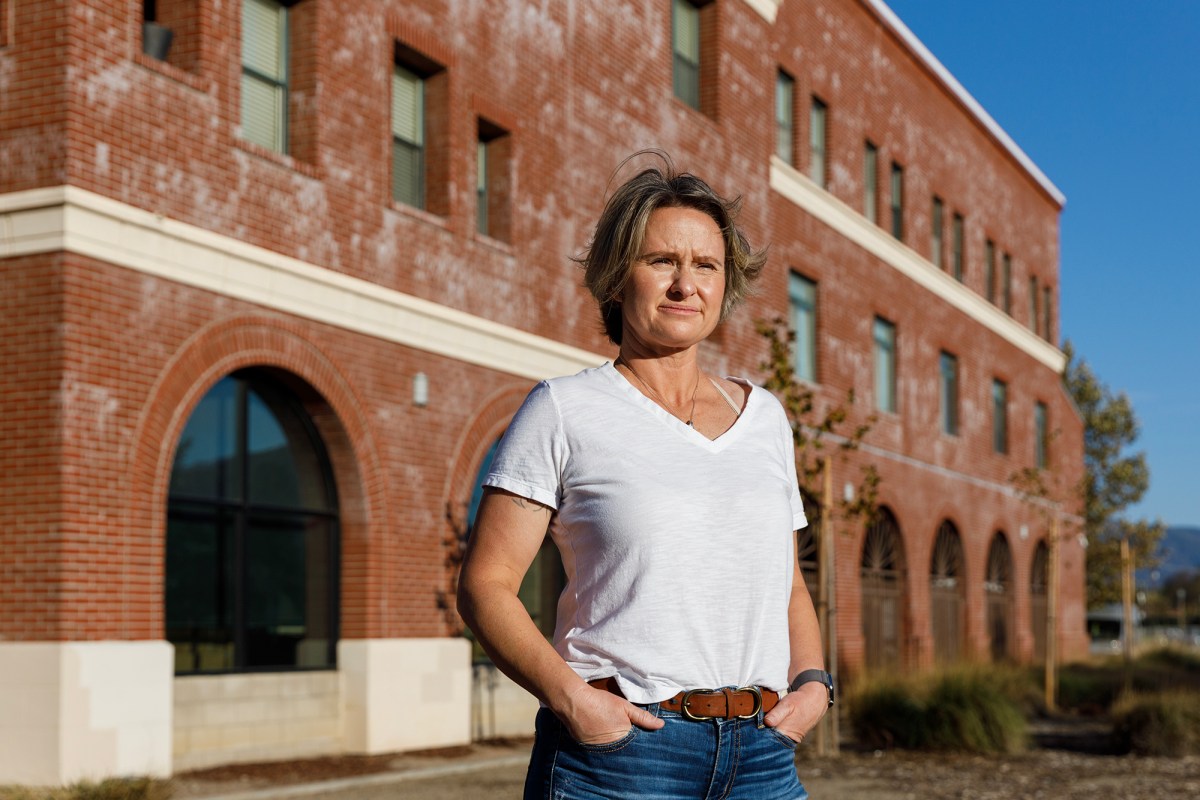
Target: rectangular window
[(1006, 284), (170, 31), (989, 266), (958, 245), (785, 132), (885, 365), (897, 201), (817, 120), (481, 182), (1040, 456), (1046, 314), (871, 182), (937, 225), (685, 46), (948, 390), (408, 137), (802, 295), (1033, 303), (265, 74), (999, 416), (493, 153)]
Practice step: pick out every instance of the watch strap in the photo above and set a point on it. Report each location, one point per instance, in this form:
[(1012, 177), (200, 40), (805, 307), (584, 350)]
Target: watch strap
[(813, 676)]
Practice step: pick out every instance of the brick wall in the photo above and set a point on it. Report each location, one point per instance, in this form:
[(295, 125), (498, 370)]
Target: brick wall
[(113, 361)]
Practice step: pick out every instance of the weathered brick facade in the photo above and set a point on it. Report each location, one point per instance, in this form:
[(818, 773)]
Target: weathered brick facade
[(108, 345)]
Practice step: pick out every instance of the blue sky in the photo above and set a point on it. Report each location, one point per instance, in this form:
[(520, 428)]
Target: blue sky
[(1104, 96)]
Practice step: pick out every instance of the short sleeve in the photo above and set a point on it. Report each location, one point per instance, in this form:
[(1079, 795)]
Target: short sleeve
[(529, 461), (799, 520)]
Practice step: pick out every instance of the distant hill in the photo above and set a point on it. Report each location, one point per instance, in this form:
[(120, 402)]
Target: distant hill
[(1181, 550)]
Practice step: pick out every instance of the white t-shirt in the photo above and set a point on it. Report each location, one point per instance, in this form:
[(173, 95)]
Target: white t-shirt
[(678, 549)]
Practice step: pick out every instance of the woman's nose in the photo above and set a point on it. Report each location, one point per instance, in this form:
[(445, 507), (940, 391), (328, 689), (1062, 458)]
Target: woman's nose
[(684, 283)]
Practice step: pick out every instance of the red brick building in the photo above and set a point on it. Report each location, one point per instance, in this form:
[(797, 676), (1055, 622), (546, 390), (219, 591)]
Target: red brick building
[(270, 296)]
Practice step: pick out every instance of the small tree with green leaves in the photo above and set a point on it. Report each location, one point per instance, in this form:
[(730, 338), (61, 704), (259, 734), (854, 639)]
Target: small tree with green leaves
[(816, 433), (1114, 479)]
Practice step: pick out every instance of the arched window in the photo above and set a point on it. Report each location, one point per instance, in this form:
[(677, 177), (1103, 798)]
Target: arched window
[(544, 581), (946, 586), (998, 587), (252, 534), (882, 591), (1038, 587), (808, 541)]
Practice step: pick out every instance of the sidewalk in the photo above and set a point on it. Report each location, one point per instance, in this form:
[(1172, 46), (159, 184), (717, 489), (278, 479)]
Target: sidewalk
[(343, 774)]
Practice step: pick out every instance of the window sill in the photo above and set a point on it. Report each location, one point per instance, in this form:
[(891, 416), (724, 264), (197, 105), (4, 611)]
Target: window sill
[(419, 214), (188, 79), (499, 245), (279, 159)]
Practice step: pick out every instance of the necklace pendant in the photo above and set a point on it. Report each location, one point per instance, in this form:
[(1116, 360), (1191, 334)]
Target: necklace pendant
[(689, 424)]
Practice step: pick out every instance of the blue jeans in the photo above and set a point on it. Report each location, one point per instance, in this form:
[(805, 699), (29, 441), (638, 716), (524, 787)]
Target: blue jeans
[(736, 759)]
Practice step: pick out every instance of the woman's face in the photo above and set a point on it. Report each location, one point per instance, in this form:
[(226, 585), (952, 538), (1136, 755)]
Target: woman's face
[(672, 299)]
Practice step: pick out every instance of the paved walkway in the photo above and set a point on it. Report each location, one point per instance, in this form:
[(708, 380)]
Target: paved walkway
[(433, 775)]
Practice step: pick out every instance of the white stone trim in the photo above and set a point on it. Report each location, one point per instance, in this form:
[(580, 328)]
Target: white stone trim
[(78, 221), (72, 711), (918, 49), (767, 9), (799, 189)]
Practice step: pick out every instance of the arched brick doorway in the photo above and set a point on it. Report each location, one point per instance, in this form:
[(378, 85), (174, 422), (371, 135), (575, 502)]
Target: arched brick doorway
[(883, 583)]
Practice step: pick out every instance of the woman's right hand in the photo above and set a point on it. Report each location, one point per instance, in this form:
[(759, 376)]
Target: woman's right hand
[(594, 716)]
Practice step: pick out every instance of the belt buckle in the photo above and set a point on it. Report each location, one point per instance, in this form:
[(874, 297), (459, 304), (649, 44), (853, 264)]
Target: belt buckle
[(687, 712), (683, 705), (758, 700)]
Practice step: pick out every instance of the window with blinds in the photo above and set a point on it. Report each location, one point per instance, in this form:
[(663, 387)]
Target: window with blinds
[(1046, 314), (897, 201), (935, 250), (958, 245), (1006, 283), (817, 133), (989, 266), (785, 91), (1040, 431), (408, 137), (802, 296), (885, 365), (949, 393), (999, 416), (685, 46), (265, 73), (871, 181)]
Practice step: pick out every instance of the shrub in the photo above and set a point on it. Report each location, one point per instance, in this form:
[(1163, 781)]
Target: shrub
[(1158, 724), (970, 709), (110, 789)]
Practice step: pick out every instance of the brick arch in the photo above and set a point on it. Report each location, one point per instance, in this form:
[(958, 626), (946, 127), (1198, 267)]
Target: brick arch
[(483, 427), (208, 355)]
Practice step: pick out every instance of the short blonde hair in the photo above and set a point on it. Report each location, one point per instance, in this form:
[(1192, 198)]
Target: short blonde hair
[(621, 231)]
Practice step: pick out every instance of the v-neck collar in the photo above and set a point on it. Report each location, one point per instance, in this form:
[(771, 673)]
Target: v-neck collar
[(674, 423)]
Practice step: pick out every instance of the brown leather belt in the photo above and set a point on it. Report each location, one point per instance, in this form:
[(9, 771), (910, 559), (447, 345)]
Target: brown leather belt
[(701, 704)]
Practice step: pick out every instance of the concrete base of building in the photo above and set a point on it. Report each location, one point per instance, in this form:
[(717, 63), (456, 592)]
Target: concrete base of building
[(226, 719), (500, 708), (405, 694), (72, 711)]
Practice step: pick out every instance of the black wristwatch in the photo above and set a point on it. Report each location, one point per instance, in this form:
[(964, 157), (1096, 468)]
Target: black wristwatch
[(810, 676)]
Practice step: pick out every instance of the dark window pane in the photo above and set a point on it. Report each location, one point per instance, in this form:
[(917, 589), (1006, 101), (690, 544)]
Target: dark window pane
[(205, 459), (199, 591), (251, 577)]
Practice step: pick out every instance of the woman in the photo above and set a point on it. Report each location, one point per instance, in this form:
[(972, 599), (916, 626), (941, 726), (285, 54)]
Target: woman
[(672, 497)]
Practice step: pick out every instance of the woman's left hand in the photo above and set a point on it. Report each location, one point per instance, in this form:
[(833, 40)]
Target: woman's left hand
[(799, 711)]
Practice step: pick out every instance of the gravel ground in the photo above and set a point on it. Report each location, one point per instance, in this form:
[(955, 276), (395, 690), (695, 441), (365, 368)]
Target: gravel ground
[(496, 770)]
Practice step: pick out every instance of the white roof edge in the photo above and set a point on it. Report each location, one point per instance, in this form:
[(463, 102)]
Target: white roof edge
[(922, 52)]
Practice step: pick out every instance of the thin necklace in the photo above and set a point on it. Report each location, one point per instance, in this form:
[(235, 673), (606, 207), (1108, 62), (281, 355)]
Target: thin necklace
[(659, 398)]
